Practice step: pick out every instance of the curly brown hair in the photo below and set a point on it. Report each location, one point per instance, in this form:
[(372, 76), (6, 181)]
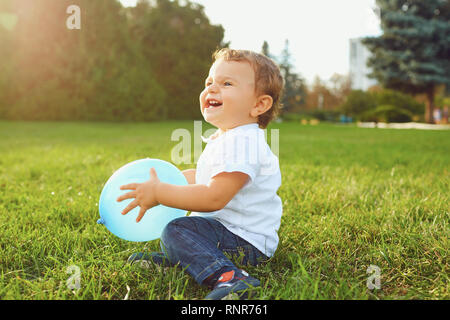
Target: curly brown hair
[(268, 78)]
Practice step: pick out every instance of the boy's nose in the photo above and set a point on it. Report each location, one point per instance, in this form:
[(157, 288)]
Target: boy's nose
[(212, 88)]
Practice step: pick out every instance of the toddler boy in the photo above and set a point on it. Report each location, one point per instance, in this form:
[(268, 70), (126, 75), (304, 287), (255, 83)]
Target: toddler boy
[(232, 193)]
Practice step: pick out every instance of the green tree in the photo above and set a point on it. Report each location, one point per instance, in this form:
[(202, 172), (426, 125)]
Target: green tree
[(6, 53), (117, 82), (178, 40), (295, 89), (265, 50), (35, 87), (413, 52), (96, 73), (124, 64)]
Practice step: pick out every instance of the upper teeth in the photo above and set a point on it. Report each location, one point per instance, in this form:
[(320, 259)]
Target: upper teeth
[(214, 102)]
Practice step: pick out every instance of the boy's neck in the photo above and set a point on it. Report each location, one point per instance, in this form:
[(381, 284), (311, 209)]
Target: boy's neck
[(221, 131)]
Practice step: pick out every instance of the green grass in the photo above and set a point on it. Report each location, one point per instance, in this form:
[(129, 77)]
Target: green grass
[(352, 197)]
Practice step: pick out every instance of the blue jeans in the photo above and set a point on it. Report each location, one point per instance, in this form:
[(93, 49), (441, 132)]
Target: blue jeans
[(203, 246)]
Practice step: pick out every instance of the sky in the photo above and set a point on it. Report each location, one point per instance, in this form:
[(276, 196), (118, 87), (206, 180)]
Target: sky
[(318, 30)]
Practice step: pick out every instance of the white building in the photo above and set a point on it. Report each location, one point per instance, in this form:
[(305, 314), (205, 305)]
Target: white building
[(359, 55)]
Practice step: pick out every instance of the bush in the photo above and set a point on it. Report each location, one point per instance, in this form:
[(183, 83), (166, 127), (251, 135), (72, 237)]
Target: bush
[(291, 116), (399, 100), (326, 115), (386, 105), (322, 115), (387, 113), (357, 103)]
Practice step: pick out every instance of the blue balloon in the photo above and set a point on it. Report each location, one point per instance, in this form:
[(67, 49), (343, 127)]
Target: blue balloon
[(155, 219)]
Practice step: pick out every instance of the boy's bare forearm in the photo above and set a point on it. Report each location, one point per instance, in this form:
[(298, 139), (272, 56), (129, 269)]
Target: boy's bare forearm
[(193, 197)]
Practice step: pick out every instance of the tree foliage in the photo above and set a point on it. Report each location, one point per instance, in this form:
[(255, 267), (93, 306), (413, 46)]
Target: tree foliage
[(142, 63), (178, 41), (295, 89), (413, 52)]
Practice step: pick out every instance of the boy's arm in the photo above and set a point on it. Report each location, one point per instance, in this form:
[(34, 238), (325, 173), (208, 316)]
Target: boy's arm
[(189, 175), (193, 197), (199, 197)]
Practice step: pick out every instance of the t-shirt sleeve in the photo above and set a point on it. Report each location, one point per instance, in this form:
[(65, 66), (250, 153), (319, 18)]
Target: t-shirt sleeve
[(236, 153)]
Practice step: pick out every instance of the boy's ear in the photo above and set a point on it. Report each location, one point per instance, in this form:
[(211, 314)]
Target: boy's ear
[(263, 104)]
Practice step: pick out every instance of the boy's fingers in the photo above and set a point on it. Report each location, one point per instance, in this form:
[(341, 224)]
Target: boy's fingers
[(130, 186), (128, 195), (141, 214), (130, 206)]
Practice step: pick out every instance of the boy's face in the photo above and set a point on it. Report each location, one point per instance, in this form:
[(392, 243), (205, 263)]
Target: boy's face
[(229, 94)]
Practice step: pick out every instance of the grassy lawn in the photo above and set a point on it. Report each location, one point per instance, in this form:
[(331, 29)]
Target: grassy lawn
[(352, 198)]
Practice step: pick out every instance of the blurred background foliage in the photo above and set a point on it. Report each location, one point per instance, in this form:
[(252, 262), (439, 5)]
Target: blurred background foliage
[(149, 62), (143, 63)]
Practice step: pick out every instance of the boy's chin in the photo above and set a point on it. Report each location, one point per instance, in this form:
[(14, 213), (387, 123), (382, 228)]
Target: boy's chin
[(212, 122), (209, 119)]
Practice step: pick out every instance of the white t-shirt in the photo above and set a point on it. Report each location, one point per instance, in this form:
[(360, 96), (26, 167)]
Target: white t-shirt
[(255, 211)]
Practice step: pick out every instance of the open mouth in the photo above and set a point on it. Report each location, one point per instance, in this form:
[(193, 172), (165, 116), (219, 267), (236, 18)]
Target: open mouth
[(212, 103)]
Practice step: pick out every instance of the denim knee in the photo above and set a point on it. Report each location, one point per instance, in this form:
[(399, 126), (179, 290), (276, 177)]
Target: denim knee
[(169, 234)]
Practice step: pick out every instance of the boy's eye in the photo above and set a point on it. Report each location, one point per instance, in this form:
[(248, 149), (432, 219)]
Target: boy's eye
[(226, 83)]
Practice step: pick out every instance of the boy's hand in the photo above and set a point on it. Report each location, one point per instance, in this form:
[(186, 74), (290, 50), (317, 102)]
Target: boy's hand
[(144, 194)]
